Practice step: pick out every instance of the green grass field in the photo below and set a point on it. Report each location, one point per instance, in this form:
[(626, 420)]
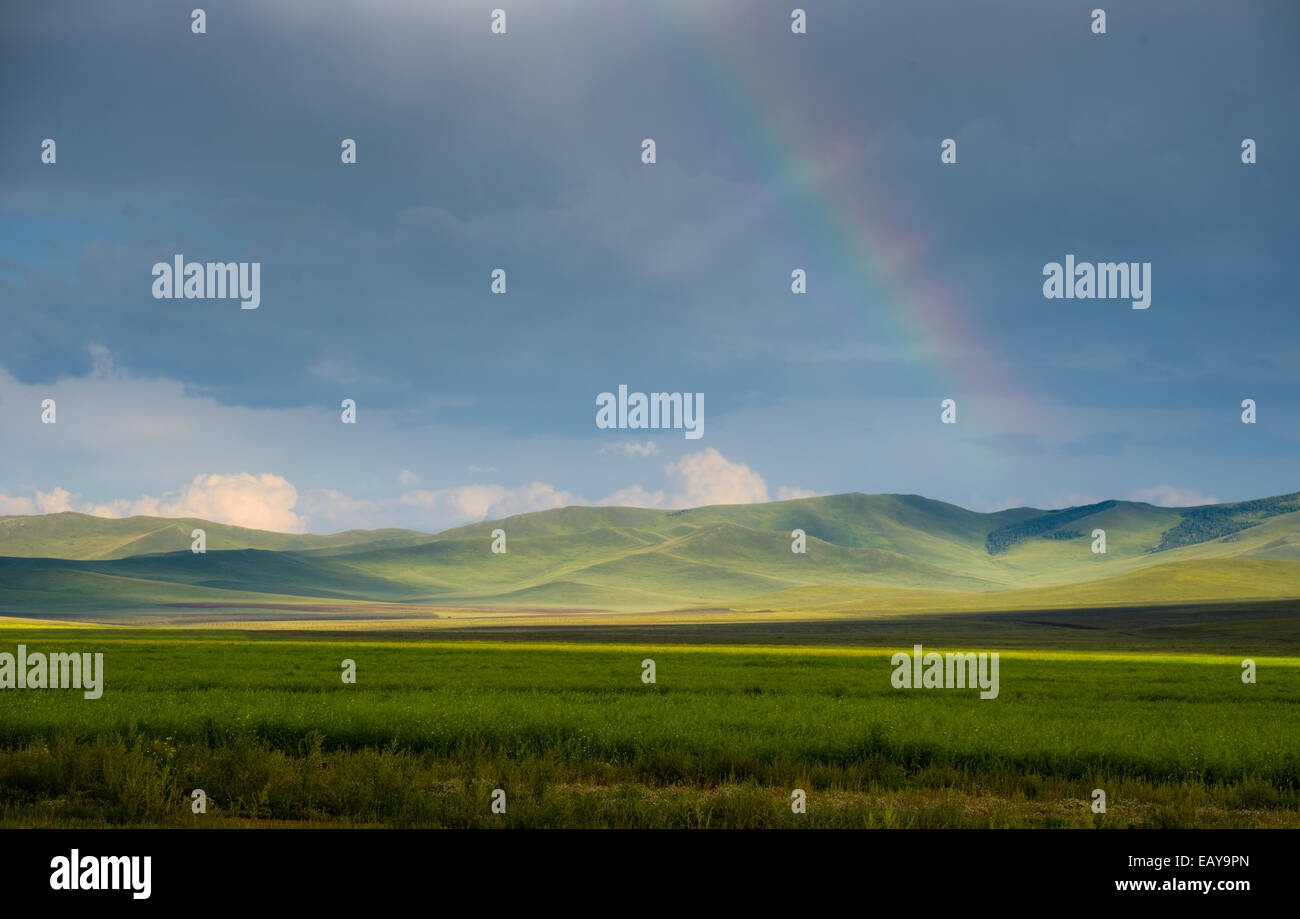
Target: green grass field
[(521, 671), (864, 553), (265, 725)]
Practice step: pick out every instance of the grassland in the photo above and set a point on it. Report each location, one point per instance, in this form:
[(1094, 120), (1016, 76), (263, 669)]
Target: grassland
[(265, 726), (865, 554), (521, 671)]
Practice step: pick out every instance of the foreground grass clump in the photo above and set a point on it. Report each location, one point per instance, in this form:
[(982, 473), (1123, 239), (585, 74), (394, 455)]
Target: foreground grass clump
[(116, 781), (267, 728)]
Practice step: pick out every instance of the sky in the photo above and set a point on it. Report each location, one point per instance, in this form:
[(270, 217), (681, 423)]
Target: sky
[(774, 151)]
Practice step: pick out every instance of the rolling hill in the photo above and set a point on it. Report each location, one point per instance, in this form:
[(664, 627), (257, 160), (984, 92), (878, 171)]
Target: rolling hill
[(864, 552), (80, 536)]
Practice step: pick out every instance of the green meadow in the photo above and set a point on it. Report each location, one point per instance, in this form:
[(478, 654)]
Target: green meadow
[(266, 727), (864, 553), (521, 671)]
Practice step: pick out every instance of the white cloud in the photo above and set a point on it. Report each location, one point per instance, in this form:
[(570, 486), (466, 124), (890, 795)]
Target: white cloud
[(262, 502), (271, 502), (708, 477), (635, 496), (704, 478), (102, 365), (1171, 496), (329, 509), (698, 479), (483, 502), (259, 502), (52, 502), (408, 478), (630, 448)]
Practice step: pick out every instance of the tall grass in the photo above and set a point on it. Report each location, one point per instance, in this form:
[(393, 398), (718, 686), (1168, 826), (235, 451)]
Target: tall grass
[(270, 732)]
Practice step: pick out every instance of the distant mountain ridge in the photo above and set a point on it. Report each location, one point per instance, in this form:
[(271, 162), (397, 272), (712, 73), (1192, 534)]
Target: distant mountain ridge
[(647, 559)]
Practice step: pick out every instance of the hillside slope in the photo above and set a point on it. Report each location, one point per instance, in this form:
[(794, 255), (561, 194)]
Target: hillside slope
[(81, 536), (859, 547)]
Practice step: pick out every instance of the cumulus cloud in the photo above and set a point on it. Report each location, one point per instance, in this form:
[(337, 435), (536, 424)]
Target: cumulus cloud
[(52, 502), (329, 510), (708, 477), (263, 502), (432, 509), (259, 502), (408, 478), (1171, 496), (481, 502), (271, 502), (703, 478)]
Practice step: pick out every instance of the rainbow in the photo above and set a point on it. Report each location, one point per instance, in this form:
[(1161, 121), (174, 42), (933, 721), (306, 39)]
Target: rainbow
[(871, 247)]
